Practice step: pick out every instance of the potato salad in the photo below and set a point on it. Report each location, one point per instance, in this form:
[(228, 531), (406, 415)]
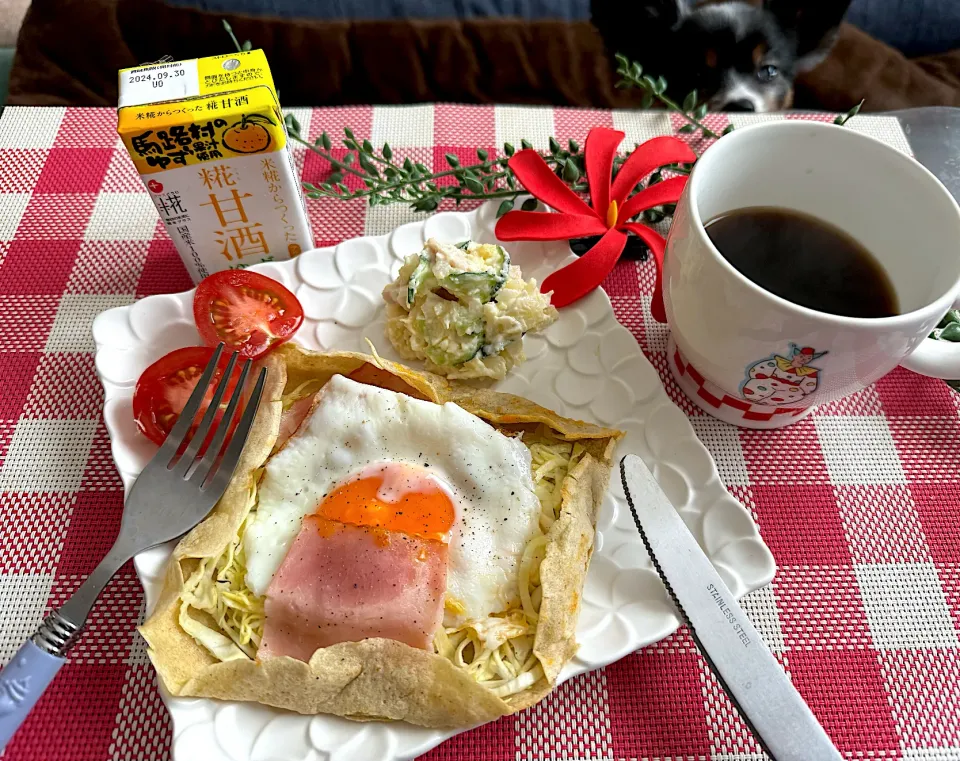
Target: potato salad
[(464, 310)]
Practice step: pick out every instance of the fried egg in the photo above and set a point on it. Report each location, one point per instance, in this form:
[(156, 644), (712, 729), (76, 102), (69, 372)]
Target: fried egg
[(373, 457)]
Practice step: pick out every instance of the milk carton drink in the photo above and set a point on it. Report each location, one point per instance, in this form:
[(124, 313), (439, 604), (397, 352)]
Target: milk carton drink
[(208, 140)]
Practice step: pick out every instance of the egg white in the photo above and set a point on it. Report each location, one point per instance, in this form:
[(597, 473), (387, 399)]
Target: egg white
[(354, 426)]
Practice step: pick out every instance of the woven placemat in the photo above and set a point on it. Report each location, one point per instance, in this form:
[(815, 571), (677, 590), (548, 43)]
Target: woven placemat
[(860, 503)]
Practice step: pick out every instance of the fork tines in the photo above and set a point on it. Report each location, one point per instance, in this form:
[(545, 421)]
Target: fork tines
[(210, 472)]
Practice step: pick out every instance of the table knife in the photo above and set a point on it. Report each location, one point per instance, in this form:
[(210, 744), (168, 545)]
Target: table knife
[(746, 669)]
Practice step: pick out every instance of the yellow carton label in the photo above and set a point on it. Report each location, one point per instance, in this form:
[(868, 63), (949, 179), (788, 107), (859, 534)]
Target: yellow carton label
[(202, 129), (208, 138)]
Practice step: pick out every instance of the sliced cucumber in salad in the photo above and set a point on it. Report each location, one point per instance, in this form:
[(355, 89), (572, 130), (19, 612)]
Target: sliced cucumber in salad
[(482, 286), (452, 333), (455, 354), (416, 278)]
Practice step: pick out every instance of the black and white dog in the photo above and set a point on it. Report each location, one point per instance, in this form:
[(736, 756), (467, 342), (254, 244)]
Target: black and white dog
[(739, 56)]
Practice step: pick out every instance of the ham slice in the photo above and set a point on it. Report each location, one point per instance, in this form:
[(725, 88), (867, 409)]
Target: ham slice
[(374, 376), (345, 583), (292, 417)]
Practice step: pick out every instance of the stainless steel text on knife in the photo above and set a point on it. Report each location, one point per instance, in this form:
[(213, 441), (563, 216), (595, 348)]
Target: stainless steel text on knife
[(721, 602)]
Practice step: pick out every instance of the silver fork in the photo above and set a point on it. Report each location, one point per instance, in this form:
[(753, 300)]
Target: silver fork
[(170, 497)]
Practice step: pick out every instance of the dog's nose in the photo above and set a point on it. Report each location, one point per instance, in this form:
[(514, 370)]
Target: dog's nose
[(739, 105)]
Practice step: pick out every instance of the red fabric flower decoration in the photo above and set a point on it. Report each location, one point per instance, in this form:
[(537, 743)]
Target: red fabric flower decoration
[(610, 213)]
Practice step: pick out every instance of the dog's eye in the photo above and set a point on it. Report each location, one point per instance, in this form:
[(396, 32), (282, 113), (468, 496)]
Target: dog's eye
[(767, 73)]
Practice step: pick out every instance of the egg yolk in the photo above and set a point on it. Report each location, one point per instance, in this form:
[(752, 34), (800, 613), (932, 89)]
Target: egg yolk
[(394, 498)]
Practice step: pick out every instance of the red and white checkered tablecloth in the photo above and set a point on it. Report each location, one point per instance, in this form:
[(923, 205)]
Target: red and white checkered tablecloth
[(860, 503)]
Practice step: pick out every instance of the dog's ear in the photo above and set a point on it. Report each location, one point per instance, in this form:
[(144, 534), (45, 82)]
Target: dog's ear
[(812, 24), (618, 20), (662, 13), (667, 12)]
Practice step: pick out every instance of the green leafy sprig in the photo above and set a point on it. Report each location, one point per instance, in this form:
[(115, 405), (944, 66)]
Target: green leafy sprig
[(387, 179), (949, 327), (949, 330), (842, 119), (247, 45), (655, 90)]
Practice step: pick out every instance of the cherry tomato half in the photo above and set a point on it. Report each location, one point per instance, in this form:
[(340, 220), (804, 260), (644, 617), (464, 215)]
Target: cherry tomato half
[(164, 387), (248, 312)]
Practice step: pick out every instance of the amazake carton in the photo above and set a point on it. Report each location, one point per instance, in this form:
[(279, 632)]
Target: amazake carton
[(208, 139)]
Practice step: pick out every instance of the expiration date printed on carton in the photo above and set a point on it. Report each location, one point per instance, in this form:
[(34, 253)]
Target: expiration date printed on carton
[(149, 84)]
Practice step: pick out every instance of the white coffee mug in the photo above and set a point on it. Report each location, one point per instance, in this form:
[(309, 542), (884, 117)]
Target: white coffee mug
[(756, 360)]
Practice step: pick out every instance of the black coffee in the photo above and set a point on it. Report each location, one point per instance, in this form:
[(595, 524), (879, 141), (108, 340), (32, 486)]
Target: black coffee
[(804, 260)]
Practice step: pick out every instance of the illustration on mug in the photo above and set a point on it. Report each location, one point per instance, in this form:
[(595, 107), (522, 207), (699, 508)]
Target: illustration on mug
[(782, 381)]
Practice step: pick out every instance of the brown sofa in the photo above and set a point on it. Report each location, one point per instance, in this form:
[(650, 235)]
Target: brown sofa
[(69, 52)]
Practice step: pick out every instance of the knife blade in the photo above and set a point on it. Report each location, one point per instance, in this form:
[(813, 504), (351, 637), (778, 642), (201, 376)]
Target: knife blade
[(746, 669)]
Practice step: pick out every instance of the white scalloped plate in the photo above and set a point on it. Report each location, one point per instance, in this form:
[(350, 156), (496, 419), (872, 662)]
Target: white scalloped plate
[(585, 366)]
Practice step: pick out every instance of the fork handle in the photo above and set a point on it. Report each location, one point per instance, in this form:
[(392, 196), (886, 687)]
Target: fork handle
[(37, 662), (30, 672)]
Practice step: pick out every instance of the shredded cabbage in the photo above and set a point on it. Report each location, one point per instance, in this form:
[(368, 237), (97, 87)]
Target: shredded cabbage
[(552, 461), (299, 392), (218, 588), (498, 651), (220, 646), (495, 651)]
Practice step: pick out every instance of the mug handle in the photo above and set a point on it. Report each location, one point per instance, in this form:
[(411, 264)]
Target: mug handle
[(935, 359)]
